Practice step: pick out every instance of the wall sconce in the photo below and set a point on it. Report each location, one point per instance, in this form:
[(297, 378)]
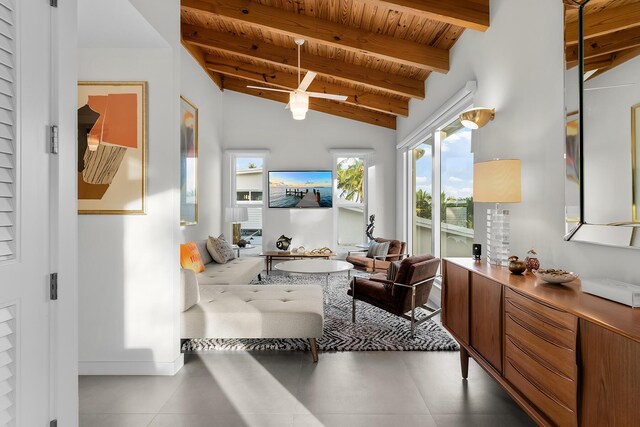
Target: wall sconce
[(475, 118)]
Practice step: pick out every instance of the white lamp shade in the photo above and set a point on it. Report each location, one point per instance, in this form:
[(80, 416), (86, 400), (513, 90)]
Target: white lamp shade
[(236, 214), (497, 181), (299, 104)]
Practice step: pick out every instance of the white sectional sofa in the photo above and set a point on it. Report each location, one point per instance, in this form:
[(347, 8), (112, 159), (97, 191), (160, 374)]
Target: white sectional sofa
[(238, 271), (219, 303)]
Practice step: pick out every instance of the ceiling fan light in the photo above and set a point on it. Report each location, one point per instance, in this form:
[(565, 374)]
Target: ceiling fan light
[(299, 104), (475, 118)]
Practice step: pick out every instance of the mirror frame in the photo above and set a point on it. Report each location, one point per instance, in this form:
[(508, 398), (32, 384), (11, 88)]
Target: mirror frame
[(600, 234), (581, 222)]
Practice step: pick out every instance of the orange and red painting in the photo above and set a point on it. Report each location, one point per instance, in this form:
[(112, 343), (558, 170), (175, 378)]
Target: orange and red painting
[(111, 147)]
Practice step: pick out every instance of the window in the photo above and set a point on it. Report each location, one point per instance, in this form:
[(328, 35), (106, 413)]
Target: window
[(350, 196), (422, 183), (441, 164), (7, 134), (249, 187)]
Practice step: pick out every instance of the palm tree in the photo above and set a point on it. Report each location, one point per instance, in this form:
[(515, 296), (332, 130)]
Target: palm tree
[(252, 166), (423, 204), (351, 179)]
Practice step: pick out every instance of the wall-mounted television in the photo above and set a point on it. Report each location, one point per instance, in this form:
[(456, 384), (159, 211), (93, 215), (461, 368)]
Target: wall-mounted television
[(300, 189)]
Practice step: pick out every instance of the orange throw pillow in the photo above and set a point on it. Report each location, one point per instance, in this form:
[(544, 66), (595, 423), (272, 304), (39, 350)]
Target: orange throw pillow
[(190, 257)]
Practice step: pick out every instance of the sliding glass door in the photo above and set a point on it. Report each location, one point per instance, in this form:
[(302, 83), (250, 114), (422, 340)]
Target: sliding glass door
[(456, 195), (443, 165)]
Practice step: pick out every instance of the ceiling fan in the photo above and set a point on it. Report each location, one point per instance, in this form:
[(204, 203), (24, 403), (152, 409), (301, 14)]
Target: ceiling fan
[(299, 98)]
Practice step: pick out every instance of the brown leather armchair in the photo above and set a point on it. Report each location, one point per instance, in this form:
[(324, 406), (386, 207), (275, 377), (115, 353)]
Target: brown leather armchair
[(409, 290), (378, 264)]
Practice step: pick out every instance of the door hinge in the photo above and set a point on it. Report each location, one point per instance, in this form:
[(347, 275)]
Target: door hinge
[(53, 139), (53, 3), (53, 286)]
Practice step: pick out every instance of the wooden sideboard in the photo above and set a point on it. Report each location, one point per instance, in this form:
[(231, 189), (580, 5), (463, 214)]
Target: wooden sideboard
[(567, 357)]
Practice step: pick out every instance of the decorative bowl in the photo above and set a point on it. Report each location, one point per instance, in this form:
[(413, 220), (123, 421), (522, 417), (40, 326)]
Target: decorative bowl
[(551, 275)]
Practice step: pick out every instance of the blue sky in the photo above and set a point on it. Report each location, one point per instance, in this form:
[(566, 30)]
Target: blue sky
[(300, 179), (243, 162), (457, 166)]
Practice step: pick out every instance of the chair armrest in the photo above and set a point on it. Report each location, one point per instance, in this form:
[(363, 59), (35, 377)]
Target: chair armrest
[(385, 281), (420, 283), (383, 257), (356, 252), (189, 291), (390, 256)]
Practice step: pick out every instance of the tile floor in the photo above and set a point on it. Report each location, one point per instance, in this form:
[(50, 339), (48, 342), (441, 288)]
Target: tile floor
[(279, 389)]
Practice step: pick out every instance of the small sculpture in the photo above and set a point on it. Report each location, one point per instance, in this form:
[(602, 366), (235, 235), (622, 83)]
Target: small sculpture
[(532, 261), (283, 243), (242, 243), (370, 227), (516, 266)]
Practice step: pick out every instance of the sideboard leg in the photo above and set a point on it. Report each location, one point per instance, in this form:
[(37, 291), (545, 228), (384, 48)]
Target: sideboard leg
[(464, 362)]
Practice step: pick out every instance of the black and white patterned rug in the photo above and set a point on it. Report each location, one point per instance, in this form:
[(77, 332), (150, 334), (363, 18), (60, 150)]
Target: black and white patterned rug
[(375, 328)]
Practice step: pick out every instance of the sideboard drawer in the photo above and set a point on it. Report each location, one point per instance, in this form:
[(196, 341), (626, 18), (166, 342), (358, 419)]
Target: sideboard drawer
[(554, 333), (529, 387), (542, 347), (550, 381), (545, 313)]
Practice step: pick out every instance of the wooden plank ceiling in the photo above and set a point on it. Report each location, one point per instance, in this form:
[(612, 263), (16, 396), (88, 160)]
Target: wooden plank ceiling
[(612, 34), (378, 53)]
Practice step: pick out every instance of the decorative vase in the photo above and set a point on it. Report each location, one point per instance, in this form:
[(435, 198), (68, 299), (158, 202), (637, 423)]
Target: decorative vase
[(531, 261), (516, 266), (283, 243)]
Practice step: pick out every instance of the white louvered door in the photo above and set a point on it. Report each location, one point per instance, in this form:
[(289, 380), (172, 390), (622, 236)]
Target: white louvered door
[(7, 132), (25, 190)]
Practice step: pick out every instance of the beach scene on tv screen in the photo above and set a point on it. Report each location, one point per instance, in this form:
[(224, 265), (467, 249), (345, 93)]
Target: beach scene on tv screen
[(302, 189)]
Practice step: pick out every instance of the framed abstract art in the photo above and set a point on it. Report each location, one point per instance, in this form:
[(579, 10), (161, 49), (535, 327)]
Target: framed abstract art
[(112, 147), (188, 163)]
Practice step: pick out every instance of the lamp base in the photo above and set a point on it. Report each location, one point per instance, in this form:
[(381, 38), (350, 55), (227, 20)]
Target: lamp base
[(498, 235), (237, 228)]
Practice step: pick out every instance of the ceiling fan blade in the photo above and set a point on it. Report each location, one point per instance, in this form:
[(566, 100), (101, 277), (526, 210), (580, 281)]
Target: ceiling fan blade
[(306, 82), (268, 88), (328, 96)]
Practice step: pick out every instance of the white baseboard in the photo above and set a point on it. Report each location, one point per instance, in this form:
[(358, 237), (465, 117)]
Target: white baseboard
[(131, 368)]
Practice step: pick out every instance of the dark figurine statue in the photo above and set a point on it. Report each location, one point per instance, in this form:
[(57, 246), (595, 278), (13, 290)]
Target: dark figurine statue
[(370, 227)]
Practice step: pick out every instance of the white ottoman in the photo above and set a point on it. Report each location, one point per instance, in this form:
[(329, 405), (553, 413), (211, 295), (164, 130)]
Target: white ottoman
[(255, 311)]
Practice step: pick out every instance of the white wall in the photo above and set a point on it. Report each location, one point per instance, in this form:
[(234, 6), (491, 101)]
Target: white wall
[(518, 64), (128, 264), (254, 123), (200, 90)]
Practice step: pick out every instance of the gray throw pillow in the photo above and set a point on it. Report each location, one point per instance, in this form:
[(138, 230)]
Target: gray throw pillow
[(392, 272), (220, 250), (378, 249)]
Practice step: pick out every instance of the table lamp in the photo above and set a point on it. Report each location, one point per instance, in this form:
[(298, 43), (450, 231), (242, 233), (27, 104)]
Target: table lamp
[(236, 216), (497, 181)]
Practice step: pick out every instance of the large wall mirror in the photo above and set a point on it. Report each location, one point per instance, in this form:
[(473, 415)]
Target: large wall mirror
[(602, 105)]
